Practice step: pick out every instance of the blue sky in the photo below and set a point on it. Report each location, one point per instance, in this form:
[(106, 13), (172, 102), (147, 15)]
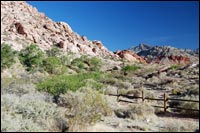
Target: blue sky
[(123, 24)]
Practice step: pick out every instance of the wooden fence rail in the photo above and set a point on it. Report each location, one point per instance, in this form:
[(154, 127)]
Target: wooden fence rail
[(165, 100)]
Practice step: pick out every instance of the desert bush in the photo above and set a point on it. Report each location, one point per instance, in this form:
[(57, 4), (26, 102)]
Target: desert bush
[(149, 94), (86, 108), (15, 123), (192, 90), (7, 56), (79, 62), (133, 92), (91, 83), (141, 111), (173, 127), (29, 112), (176, 92), (32, 57), (109, 80), (56, 85), (119, 76), (95, 63), (175, 66), (54, 51), (129, 68), (66, 59), (189, 105), (19, 88), (137, 111), (52, 65)]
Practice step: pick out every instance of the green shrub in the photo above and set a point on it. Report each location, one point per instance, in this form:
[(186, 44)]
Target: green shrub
[(95, 63), (91, 83), (129, 68), (32, 57), (54, 51), (7, 56), (175, 66), (59, 84), (52, 64), (136, 111), (78, 62), (65, 59)]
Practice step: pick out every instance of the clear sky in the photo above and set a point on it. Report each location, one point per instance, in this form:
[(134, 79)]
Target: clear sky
[(122, 24)]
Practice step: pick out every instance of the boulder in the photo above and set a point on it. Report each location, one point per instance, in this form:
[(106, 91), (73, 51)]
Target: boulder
[(60, 44), (20, 28)]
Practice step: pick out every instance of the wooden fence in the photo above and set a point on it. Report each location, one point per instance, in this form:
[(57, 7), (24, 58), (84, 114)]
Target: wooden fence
[(165, 100)]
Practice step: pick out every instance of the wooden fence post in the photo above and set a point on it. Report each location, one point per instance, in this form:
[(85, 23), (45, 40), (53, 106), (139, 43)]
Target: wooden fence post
[(142, 96), (165, 102), (117, 95)]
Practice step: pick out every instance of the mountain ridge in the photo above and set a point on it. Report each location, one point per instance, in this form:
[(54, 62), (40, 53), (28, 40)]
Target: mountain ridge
[(165, 54)]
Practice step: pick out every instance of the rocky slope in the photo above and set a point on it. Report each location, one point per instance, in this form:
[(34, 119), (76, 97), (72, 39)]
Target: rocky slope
[(24, 25), (165, 54), (140, 47)]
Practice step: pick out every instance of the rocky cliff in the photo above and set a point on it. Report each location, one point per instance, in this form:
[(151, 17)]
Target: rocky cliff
[(22, 24)]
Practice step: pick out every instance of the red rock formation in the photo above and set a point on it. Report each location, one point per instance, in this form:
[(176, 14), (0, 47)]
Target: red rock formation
[(172, 59), (131, 56)]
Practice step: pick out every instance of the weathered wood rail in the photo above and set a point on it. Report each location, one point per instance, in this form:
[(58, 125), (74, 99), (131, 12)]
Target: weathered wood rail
[(165, 100)]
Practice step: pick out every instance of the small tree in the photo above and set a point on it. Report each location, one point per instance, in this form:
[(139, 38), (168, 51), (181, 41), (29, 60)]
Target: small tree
[(51, 64), (32, 57), (7, 56)]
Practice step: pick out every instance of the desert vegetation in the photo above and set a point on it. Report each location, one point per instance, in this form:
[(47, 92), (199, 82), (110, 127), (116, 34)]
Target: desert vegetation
[(55, 80), (7, 56), (54, 91)]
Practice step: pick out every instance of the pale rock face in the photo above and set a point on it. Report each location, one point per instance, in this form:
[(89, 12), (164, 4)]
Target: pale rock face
[(36, 28), (22, 24), (130, 58)]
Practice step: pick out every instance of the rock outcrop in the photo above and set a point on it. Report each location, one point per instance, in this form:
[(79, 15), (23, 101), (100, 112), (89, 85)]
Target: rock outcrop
[(22, 24), (165, 54), (130, 56)]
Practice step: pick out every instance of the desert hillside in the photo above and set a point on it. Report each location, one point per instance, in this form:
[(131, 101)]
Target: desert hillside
[(55, 80)]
